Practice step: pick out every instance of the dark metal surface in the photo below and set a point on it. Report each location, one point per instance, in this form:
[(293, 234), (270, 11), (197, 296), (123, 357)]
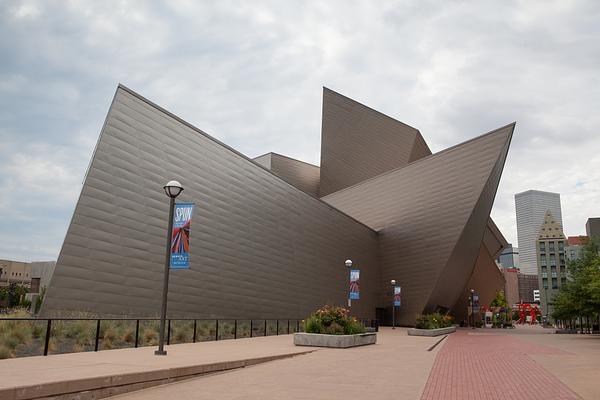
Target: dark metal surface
[(431, 216), (261, 243), (259, 246)]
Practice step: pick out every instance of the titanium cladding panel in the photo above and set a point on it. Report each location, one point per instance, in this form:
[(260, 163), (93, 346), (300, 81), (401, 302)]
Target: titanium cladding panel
[(262, 244), (359, 143), (260, 248), (431, 216)]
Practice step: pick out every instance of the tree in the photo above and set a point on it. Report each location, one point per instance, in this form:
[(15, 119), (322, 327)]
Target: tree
[(499, 300), (580, 296)]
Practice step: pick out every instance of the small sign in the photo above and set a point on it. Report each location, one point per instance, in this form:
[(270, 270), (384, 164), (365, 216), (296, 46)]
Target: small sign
[(397, 300), (180, 237), (354, 293), (475, 303)]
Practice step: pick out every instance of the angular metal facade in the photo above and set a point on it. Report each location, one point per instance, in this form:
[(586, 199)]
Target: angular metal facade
[(263, 244)]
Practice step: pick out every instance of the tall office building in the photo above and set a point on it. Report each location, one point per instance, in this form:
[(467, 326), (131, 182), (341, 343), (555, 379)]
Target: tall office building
[(531, 208), (551, 260), (509, 258)]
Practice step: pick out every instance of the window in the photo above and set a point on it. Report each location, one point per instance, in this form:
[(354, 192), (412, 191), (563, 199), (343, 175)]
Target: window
[(552, 259), (554, 283), (542, 246), (562, 259), (563, 281), (551, 247), (561, 246), (562, 270), (545, 283), (543, 259), (544, 269)]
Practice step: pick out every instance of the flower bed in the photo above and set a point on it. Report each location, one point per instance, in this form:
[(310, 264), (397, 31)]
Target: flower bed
[(433, 325), (333, 327)]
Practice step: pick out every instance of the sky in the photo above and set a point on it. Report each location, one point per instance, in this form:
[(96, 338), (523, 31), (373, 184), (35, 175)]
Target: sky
[(251, 74)]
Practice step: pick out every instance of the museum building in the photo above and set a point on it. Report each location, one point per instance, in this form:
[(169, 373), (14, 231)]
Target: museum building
[(270, 235)]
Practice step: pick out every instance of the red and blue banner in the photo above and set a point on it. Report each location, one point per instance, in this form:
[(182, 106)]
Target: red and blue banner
[(397, 300), (354, 293), (180, 237)]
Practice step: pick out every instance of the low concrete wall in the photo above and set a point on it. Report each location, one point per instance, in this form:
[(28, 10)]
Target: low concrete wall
[(431, 332), (336, 341)]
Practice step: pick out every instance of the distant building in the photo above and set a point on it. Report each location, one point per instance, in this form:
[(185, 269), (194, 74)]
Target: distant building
[(35, 276), (531, 206), (592, 227), (519, 287), (511, 285), (15, 272), (509, 258), (551, 260), (574, 248), (527, 284)]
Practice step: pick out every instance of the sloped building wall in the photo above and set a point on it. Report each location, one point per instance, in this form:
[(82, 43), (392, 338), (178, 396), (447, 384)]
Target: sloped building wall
[(431, 217), (260, 248)]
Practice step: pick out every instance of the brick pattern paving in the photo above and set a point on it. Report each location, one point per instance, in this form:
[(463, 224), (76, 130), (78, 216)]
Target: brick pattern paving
[(492, 367)]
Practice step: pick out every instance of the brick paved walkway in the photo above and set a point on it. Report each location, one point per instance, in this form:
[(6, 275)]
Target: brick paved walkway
[(471, 366)]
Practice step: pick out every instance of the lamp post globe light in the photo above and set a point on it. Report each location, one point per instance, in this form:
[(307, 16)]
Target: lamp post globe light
[(348, 264), (172, 190), (393, 283)]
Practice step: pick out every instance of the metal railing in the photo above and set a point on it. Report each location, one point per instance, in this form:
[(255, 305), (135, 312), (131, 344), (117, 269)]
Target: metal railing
[(188, 331)]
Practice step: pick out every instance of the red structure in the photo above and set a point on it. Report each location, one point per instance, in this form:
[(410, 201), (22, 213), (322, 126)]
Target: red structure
[(532, 309)]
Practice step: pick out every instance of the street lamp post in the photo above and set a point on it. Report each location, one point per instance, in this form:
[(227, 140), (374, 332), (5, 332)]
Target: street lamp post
[(348, 264), (172, 189), (473, 307), (393, 283)]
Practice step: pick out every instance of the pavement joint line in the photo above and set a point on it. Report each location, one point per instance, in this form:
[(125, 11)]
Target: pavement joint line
[(168, 375), (436, 343)]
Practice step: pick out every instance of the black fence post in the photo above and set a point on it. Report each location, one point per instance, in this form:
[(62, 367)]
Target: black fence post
[(137, 332), (251, 327), (235, 328), (47, 339), (97, 335), (265, 327), (194, 339), (278, 327), (288, 326), (297, 325), (216, 329), (169, 332)]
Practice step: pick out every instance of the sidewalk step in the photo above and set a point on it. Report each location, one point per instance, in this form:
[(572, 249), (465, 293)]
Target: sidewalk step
[(105, 386)]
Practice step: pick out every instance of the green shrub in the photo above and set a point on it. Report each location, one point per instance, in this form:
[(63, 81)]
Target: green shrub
[(434, 321), (5, 353), (333, 321)]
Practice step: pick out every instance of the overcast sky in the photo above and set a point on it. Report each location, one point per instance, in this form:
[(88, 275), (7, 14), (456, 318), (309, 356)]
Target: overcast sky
[(251, 74)]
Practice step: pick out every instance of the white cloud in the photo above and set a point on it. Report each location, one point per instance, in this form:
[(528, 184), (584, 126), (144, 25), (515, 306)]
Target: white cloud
[(251, 75)]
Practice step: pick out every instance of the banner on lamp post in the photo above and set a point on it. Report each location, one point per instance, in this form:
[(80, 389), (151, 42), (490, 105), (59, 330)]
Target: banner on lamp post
[(397, 299), (354, 293), (180, 237)]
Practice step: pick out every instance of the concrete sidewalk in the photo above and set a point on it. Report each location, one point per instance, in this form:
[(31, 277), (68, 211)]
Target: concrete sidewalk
[(111, 372), (396, 367)]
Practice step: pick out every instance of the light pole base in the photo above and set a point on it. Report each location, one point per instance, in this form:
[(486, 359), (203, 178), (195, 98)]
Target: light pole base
[(160, 353)]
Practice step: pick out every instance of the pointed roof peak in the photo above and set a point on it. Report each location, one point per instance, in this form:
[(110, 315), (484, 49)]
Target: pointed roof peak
[(551, 228)]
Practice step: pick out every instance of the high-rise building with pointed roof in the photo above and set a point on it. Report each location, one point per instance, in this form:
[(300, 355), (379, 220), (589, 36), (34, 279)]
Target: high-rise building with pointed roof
[(551, 260), (531, 206), (271, 234)]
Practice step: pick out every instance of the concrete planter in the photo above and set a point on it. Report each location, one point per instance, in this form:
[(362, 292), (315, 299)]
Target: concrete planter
[(336, 341), (431, 332)]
